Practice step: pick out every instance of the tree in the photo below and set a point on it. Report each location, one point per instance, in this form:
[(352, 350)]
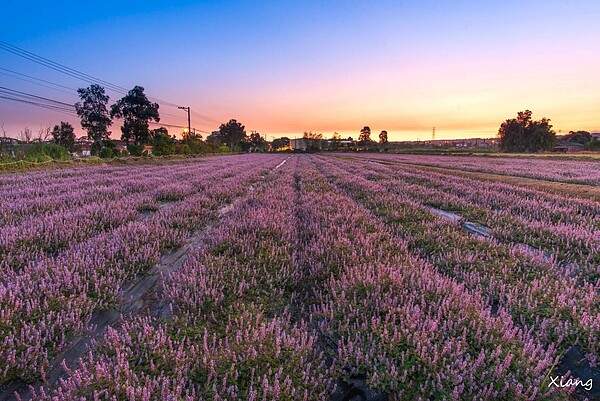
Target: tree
[(93, 113), (137, 111), (336, 137), (280, 143), (64, 135), (365, 135), (582, 137), (383, 137), (26, 135), (257, 141), (43, 134), (215, 139), (312, 135), (163, 144), (522, 134), (232, 133)]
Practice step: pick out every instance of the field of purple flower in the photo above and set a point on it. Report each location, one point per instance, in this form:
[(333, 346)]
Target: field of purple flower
[(305, 277), (572, 171)]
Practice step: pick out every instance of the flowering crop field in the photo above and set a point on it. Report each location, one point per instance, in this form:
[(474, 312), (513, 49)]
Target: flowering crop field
[(571, 171), (294, 277)]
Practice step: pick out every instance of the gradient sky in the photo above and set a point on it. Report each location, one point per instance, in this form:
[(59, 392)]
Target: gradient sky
[(283, 67)]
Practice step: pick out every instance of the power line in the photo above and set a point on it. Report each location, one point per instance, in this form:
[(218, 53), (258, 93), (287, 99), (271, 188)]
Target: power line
[(46, 106), (19, 93), (71, 71), (37, 79)]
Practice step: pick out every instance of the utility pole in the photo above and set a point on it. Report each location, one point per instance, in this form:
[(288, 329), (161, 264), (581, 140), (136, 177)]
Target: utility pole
[(433, 135), (189, 119)]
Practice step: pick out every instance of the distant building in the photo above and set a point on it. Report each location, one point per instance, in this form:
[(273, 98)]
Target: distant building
[(300, 144), (6, 140)]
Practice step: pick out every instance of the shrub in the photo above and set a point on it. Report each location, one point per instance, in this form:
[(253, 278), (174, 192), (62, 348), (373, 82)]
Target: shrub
[(107, 153)]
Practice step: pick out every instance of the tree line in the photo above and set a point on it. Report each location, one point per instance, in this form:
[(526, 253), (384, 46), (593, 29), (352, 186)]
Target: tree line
[(525, 135), (137, 113)]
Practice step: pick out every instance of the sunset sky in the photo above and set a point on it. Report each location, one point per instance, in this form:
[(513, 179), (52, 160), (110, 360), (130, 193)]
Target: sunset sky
[(283, 67)]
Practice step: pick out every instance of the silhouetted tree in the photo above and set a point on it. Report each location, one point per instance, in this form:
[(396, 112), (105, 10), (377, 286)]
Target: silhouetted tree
[(44, 133), (383, 137), (257, 141), (365, 135), (312, 135), (64, 135), (137, 111), (93, 113), (26, 135), (215, 139), (280, 143), (232, 133), (336, 137), (582, 137), (522, 134)]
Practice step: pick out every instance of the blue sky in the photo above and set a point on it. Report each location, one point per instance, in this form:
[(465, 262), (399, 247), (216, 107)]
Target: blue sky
[(283, 67)]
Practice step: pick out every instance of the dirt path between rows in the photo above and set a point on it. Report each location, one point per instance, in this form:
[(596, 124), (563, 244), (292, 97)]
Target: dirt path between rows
[(559, 188)]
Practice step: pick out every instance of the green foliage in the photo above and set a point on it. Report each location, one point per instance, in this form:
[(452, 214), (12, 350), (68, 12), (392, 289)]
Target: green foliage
[(106, 153), (137, 111), (594, 144), (135, 150), (93, 112), (522, 134), (162, 142), (56, 152), (183, 149)]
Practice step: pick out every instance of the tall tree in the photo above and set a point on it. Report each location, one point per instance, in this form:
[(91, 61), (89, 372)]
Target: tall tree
[(232, 133), (93, 113), (522, 134), (336, 137), (365, 134), (64, 135), (383, 137), (137, 111)]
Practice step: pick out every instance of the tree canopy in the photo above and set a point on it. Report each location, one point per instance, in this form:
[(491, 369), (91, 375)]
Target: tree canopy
[(582, 137), (93, 112), (232, 133), (64, 135), (365, 134), (279, 143), (522, 134), (383, 137), (137, 111), (163, 144)]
